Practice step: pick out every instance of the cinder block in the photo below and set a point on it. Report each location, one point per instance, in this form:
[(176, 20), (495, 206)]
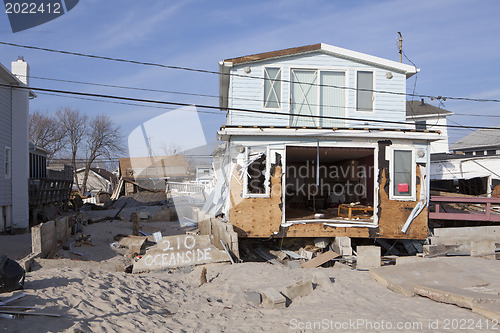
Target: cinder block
[(271, 298), (300, 288), (342, 245), (253, 297), (322, 242), (485, 249), (368, 257), (322, 280)]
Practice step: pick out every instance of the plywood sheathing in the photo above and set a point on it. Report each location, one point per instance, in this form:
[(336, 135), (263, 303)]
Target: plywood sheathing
[(393, 214), (261, 217), (256, 217)]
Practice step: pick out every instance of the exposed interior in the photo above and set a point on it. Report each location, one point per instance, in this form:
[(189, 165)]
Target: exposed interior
[(340, 187)]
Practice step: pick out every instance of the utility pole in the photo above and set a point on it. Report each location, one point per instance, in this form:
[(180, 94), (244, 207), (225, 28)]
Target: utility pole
[(400, 44)]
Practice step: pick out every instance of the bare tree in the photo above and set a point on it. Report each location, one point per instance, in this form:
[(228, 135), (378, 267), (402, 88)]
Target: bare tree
[(103, 139), (45, 132), (75, 125)]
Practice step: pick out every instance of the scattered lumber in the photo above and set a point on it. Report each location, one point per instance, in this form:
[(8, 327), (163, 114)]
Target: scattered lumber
[(320, 259)]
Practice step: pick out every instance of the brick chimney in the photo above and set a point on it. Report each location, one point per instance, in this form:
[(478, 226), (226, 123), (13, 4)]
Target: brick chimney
[(21, 70)]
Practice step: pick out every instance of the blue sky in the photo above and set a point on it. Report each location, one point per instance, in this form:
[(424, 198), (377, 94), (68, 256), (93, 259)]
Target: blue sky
[(455, 43)]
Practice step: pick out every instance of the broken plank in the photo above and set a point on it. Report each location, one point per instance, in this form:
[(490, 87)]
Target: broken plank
[(12, 299), (320, 260)]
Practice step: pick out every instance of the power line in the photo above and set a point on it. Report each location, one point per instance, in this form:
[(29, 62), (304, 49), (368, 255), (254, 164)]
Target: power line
[(218, 108), (233, 98), (239, 75)]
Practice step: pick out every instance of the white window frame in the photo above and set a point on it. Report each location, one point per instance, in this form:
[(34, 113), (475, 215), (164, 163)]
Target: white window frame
[(267, 181), (317, 107), (281, 102), (8, 163), (374, 96), (413, 195)]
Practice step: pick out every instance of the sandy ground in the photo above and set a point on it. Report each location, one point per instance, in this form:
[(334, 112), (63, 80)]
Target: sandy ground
[(93, 294), (91, 299)]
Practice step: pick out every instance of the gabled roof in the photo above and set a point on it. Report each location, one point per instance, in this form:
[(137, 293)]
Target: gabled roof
[(329, 49), (479, 138), (421, 109), (103, 173)]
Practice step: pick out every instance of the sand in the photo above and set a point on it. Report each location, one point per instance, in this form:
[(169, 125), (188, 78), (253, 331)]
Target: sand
[(98, 296)]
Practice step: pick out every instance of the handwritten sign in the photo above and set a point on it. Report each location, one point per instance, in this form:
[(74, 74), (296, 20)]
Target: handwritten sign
[(179, 251)]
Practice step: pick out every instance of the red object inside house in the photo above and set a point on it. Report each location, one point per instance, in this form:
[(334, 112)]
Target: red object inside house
[(403, 187)]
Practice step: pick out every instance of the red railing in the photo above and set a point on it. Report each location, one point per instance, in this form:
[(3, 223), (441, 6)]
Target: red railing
[(488, 215)]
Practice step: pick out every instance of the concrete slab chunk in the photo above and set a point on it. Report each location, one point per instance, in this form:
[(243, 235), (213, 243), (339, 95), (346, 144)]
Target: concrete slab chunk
[(271, 298), (452, 295), (488, 310), (300, 288), (403, 278), (322, 280), (485, 249), (368, 257), (179, 251)]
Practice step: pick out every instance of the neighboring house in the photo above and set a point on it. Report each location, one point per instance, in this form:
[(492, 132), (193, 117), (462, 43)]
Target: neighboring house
[(100, 180), (473, 167), (204, 174), (424, 116), (14, 153), (290, 171), (151, 173), (38, 162)]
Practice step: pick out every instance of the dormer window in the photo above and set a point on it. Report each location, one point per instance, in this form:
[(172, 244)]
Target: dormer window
[(272, 88)]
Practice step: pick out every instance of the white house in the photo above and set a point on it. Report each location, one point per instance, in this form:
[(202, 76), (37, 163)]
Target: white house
[(14, 151), (474, 166), (317, 145), (423, 116)]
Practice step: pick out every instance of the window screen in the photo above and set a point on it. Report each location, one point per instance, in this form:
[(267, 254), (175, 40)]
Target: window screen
[(402, 173), (272, 87), (364, 96)]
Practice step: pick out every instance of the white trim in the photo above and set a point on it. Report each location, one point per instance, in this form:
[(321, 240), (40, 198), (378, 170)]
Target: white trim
[(374, 88), (413, 195), (317, 107), (327, 133), (281, 82), (373, 60), (345, 223)]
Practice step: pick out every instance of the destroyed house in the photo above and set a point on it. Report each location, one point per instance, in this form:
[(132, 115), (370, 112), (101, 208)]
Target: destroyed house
[(316, 145)]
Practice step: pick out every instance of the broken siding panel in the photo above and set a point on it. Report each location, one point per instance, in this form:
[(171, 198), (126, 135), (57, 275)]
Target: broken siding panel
[(248, 92), (5, 141)]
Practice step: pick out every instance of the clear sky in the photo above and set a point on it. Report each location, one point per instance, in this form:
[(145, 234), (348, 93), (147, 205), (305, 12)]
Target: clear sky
[(455, 43)]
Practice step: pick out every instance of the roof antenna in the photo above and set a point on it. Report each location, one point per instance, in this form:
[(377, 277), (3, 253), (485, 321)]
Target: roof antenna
[(400, 44)]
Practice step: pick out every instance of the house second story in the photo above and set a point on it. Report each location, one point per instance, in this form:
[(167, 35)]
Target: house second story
[(316, 85), (423, 116)]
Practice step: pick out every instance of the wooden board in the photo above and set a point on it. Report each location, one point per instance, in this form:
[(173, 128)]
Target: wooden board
[(320, 260)]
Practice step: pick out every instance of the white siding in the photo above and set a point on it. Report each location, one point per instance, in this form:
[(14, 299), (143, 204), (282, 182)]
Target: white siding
[(441, 145), (247, 93), (5, 141)]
